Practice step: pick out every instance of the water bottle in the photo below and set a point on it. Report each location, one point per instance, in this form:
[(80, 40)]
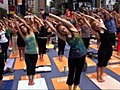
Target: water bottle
[(64, 68)]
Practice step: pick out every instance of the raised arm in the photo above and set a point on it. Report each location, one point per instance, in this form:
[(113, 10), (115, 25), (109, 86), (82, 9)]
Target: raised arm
[(89, 17), (6, 19), (116, 21), (116, 14), (39, 20), (55, 31), (91, 29), (13, 26), (24, 22), (19, 29), (97, 16), (67, 23), (102, 16), (106, 12)]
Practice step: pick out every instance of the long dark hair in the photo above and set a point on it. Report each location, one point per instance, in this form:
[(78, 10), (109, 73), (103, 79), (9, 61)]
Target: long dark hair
[(57, 27), (28, 31)]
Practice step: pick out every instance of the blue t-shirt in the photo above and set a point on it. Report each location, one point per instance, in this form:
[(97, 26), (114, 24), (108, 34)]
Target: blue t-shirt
[(110, 25), (45, 15)]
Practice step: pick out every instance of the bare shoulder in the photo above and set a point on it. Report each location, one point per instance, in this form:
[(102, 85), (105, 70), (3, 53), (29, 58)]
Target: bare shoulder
[(32, 32)]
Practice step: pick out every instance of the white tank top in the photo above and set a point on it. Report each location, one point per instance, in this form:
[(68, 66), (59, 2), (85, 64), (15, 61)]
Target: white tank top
[(3, 38)]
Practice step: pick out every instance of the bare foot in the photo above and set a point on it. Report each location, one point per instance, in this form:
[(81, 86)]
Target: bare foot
[(21, 59), (60, 60), (33, 83), (41, 59), (102, 80), (30, 84), (98, 79)]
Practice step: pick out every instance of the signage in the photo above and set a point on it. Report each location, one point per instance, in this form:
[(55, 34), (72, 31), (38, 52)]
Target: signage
[(11, 9), (19, 2)]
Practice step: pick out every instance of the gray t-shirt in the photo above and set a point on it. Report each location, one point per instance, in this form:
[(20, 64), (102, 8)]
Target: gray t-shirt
[(85, 32)]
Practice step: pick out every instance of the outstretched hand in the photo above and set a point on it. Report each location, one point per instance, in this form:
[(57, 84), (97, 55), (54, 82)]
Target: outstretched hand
[(82, 14), (14, 15)]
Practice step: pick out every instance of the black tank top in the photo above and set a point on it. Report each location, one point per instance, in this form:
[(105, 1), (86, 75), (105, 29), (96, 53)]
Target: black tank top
[(42, 31), (105, 38), (19, 37)]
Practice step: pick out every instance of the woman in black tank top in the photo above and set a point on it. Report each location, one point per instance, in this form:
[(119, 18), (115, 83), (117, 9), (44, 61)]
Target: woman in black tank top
[(105, 49)]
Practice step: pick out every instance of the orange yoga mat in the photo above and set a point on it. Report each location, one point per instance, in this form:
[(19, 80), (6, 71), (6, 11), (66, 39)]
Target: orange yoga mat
[(94, 46), (94, 40), (59, 83), (45, 62), (21, 64), (115, 54), (110, 82), (51, 46), (115, 68), (90, 62), (114, 60), (8, 77), (14, 56), (26, 77), (60, 65)]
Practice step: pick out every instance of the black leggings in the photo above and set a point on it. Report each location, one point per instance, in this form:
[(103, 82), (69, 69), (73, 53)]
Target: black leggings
[(42, 45), (75, 67), (86, 42), (61, 46), (104, 54), (112, 35), (1, 65), (30, 60), (4, 47)]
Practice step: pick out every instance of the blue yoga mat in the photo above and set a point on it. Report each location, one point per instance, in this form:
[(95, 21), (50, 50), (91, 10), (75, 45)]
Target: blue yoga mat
[(7, 85)]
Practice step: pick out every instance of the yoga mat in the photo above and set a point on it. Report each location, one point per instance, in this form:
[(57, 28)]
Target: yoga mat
[(60, 65), (115, 68), (51, 46), (14, 56), (90, 62), (93, 40), (26, 77), (45, 62), (94, 46), (40, 84), (59, 83), (7, 83), (110, 83), (115, 54), (8, 77), (9, 63), (114, 60), (21, 64)]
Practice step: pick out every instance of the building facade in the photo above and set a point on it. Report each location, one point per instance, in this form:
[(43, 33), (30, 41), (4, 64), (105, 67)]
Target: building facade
[(35, 5), (3, 8)]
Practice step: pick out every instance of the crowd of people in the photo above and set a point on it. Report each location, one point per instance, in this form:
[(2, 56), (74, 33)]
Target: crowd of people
[(31, 31)]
